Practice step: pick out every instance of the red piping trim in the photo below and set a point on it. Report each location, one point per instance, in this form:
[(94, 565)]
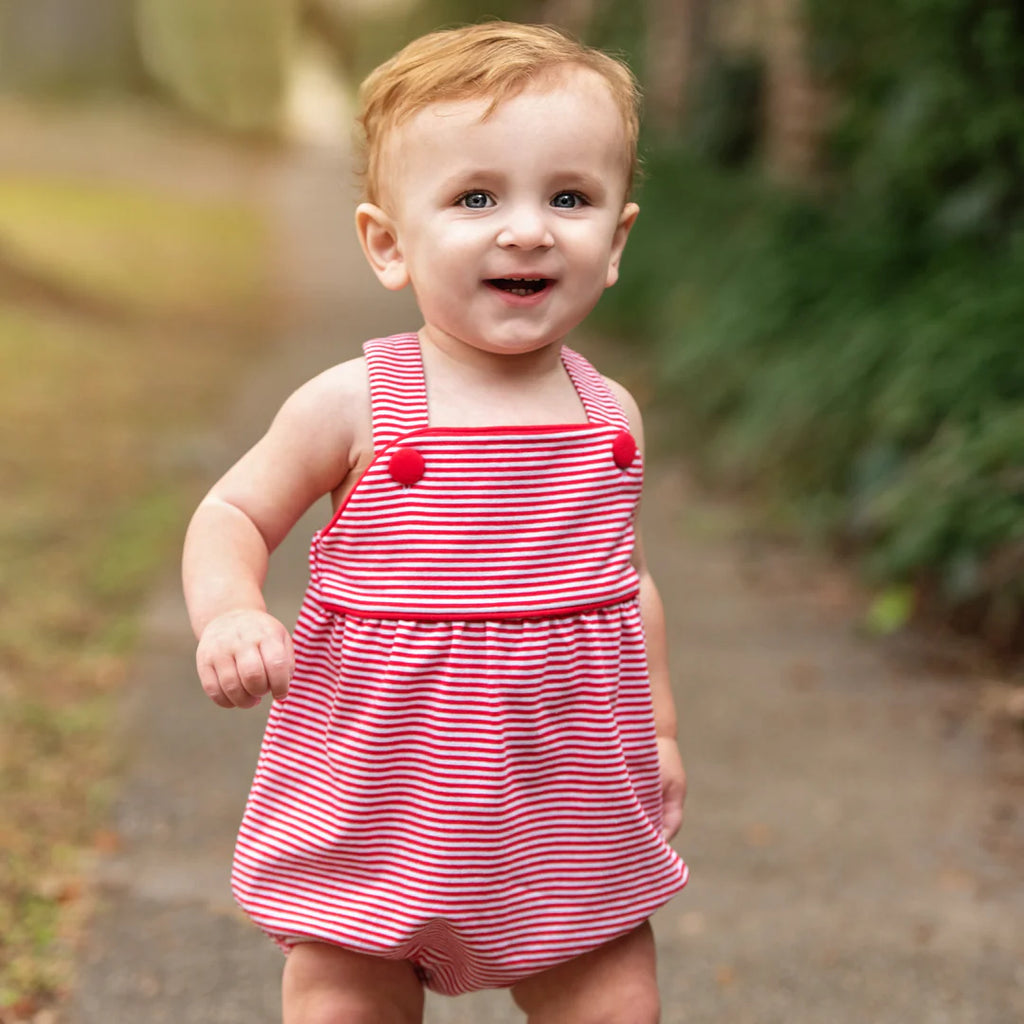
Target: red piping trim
[(576, 378), (459, 616), (506, 428)]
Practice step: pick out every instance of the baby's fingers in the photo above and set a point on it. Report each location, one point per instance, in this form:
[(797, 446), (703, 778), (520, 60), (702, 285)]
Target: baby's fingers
[(279, 663), (252, 678), (671, 814), (223, 685), (211, 685)]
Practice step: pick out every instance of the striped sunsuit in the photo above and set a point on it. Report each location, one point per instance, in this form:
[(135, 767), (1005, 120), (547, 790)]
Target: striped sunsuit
[(464, 773)]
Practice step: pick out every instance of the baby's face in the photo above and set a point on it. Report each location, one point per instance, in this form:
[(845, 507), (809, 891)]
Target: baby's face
[(509, 229)]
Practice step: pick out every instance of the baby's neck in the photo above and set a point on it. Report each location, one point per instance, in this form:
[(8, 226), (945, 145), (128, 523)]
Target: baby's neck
[(485, 366), (470, 388)]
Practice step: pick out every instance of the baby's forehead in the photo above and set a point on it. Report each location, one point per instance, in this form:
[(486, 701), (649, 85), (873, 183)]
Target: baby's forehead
[(432, 125)]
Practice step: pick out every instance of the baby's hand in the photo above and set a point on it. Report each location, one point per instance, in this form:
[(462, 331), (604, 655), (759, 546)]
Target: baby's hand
[(673, 785), (242, 655)]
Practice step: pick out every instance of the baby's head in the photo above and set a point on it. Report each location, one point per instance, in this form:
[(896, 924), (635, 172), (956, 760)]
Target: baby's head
[(494, 61)]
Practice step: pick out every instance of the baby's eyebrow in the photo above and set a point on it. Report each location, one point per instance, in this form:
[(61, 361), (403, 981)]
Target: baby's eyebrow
[(585, 182), (471, 176)]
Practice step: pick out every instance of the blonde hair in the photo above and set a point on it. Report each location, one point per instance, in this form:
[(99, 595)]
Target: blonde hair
[(495, 60)]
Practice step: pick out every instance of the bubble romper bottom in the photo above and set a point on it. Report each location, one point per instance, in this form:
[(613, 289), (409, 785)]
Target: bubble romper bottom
[(464, 774)]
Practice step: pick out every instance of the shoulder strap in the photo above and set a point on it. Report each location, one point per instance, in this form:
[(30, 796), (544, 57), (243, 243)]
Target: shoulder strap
[(598, 399), (398, 388)]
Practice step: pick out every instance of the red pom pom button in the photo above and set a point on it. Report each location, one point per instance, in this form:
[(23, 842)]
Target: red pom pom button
[(624, 450), (407, 466)]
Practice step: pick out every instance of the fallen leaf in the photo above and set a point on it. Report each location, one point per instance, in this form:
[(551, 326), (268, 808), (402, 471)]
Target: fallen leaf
[(106, 840), (59, 888), (759, 834), (804, 675), (955, 880)]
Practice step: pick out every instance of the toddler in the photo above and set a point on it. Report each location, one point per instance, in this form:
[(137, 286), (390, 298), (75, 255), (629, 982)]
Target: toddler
[(469, 773)]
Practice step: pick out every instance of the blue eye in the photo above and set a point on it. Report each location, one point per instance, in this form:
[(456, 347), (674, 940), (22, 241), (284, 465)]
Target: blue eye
[(568, 201), (475, 201)]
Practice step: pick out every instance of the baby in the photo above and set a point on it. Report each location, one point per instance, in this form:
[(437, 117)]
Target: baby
[(469, 774)]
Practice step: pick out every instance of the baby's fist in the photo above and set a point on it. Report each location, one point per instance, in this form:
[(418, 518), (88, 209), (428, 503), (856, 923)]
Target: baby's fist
[(243, 655), (673, 786)]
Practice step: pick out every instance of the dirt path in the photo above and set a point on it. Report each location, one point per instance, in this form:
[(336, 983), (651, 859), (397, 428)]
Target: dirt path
[(836, 830)]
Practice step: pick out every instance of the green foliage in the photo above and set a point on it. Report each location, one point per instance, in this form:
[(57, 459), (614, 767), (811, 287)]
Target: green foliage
[(125, 312), (859, 354), (890, 610), (931, 133), (225, 59), (134, 548), (727, 120)]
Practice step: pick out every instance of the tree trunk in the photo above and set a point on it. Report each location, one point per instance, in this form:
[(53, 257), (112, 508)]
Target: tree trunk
[(677, 42), (797, 105)]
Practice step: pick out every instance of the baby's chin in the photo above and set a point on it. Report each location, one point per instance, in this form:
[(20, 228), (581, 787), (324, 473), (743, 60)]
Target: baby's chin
[(496, 344)]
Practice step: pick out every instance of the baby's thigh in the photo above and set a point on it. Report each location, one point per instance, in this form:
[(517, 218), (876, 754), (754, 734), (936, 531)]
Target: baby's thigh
[(324, 984), (613, 984)]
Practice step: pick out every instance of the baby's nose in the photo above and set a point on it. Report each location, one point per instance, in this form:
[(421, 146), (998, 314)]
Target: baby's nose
[(526, 228)]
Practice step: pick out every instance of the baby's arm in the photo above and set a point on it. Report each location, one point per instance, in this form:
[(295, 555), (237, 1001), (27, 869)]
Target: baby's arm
[(652, 612), (670, 762), (314, 443)]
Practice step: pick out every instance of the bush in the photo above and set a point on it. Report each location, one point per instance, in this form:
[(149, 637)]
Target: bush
[(859, 355)]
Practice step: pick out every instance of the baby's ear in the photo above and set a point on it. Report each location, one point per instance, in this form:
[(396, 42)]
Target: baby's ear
[(626, 221), (379, 238)]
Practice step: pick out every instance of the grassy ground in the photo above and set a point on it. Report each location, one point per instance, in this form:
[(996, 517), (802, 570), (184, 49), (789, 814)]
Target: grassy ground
[(121, 311)]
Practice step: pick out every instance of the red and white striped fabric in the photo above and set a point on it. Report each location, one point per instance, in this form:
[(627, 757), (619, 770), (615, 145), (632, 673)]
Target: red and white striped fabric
[(464, 773)]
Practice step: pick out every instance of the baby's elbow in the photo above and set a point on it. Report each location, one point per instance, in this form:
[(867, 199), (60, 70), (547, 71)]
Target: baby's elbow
[(225, 515)]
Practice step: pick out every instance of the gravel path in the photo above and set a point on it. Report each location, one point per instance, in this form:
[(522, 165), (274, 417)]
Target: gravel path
[(837, 826)]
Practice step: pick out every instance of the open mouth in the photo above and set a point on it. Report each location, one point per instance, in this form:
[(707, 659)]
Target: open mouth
[(521, 286)]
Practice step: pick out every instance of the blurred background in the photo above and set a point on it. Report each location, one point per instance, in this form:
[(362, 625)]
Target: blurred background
[(826, 283)]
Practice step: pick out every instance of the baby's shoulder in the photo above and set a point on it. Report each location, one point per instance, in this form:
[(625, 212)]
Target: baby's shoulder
[(628, 403), (343, 388), (330, 411), (349, 378)]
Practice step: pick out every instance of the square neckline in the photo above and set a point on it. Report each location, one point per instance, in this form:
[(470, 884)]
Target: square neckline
[(429, 425)]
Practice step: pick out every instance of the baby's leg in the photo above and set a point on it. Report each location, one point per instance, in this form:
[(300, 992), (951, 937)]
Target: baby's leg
[(325, 984), (613, 984)]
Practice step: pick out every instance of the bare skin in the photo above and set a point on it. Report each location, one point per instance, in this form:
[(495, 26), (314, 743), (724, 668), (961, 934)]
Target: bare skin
[(325, 984), (614, 984)]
